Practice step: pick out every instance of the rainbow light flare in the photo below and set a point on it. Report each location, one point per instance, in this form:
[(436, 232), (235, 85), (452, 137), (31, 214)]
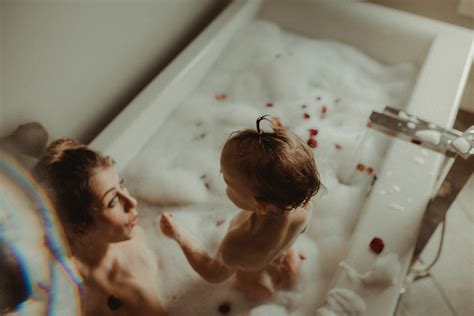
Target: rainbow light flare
[(41, 210)]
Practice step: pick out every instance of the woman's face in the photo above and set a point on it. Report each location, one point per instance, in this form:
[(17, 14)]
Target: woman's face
[(117, 215)]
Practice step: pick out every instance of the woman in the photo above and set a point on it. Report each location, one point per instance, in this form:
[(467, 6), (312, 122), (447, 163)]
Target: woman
[(100, 221)]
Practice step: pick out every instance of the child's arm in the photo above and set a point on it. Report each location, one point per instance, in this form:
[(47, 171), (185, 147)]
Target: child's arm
[(210, 269)]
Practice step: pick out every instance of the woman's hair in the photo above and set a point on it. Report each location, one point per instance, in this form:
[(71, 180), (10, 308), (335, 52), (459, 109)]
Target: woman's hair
[(279, 165), (65, 170)]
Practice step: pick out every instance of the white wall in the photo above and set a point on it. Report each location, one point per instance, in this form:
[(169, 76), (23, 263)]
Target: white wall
[(74, 64), (1, 68), (466, 8), (450, 11)]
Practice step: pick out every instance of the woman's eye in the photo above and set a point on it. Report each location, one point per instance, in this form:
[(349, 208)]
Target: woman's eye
[(113, 201)]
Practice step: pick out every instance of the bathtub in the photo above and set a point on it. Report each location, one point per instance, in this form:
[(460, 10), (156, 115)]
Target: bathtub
[(443, 52)]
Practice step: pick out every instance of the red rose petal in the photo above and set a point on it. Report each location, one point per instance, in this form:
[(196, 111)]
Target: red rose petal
[(302, 256), (360, 167), (221, 97), (220, 222), (370, 170), (313, 132), (369, 124), (312, 143), (306, 116), (324, 109), (377, 245), (269, 105), (337, 146)]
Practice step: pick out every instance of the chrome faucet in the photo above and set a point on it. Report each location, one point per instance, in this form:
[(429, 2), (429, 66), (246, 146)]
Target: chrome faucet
[(454, 144)]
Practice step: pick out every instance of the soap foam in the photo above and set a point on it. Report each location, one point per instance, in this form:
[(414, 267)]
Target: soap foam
[(179, 171)]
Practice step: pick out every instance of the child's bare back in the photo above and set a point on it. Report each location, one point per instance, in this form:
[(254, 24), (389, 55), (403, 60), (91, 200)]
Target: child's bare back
[(254, 241), (259, 249)]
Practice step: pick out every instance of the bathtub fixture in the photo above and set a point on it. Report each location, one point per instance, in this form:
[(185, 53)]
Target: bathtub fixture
[(399, 124), (449, 142)]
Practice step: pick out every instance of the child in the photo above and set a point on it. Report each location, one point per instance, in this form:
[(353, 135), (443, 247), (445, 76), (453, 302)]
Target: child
[(271, 177)]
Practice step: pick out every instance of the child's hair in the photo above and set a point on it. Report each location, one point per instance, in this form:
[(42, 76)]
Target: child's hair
[(65, 170), (279, 165)]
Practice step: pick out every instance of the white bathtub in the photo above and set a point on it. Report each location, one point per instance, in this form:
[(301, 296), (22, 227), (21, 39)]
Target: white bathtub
[(444, 53)]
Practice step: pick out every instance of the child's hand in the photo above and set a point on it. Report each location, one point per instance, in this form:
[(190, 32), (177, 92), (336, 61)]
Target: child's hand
[(167, 226), (276, 122)]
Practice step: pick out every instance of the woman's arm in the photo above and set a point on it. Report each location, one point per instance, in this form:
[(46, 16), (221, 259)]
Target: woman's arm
[(210, 269)]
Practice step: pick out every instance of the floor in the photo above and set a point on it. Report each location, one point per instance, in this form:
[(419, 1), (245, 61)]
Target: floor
[(449, 288)]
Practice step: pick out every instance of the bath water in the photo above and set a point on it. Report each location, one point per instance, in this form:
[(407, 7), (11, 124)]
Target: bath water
[(309, 84)]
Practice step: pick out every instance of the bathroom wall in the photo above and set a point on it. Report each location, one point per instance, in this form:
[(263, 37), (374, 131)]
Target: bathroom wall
[(73, 65), (1, 68), (458, 12)]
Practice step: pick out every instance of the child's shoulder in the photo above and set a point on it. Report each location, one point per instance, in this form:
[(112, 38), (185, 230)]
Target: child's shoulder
[(238, 236), (301, 218), (301, 213)]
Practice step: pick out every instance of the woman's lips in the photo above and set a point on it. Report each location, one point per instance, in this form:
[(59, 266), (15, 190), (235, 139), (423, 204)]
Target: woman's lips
[(134, 221)]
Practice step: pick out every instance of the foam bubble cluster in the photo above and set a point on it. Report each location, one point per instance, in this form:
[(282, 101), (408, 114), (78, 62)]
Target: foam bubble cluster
[(324, 91)]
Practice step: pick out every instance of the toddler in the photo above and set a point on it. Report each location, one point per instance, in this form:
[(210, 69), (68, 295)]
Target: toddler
[(271, 177)]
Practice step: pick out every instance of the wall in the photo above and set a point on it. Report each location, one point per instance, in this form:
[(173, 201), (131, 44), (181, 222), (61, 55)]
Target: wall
[(450, 11), (1, 67), (73, 65)]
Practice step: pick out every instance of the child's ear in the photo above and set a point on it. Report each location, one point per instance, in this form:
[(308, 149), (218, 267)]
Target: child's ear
[(264, 208), (261, 207)]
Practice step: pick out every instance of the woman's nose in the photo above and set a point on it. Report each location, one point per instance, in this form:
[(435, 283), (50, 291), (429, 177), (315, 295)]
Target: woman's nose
[(130, 201)]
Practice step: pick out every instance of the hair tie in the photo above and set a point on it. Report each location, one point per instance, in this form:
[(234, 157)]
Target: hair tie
[(261, 118)]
